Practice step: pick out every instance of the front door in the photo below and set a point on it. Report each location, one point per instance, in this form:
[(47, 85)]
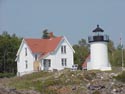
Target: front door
[(36, 66), (46, 64)]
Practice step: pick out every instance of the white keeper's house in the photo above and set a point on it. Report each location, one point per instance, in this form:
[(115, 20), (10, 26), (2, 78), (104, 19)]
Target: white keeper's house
[(44, 54)]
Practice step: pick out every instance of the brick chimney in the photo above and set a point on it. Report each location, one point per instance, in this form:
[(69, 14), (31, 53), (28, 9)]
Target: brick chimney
[(51, 34)]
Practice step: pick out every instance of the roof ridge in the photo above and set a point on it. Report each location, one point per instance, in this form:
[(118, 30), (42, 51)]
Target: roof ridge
[(45, 39)]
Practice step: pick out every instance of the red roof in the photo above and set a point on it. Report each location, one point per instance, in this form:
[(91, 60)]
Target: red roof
[(43, 46), (84, 65)]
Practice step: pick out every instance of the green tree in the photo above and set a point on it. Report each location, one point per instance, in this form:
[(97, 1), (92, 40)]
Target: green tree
[(111, 52), (81, 52), (115, 54), (8, 49), (118, 56), (82, 42), (45, 34)]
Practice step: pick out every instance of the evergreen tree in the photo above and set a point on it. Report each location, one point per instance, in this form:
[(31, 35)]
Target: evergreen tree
[(45, 34)]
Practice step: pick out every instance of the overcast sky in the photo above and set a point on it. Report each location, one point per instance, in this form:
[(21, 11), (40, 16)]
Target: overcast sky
[(74, 19)]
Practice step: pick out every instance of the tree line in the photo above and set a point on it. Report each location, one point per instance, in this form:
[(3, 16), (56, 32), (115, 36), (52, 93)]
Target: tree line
[(9, 45)]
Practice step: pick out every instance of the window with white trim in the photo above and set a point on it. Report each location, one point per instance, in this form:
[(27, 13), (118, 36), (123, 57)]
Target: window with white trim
[(47, 62), (26, 63), (25, 51), (63, 49), (64, 61)]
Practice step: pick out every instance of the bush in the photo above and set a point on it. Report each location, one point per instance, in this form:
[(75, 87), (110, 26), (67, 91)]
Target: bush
[(121, 77), (8, 75)]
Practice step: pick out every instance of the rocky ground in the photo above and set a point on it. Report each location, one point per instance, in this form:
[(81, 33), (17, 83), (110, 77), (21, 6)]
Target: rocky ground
[(104, 83), (81, 82)]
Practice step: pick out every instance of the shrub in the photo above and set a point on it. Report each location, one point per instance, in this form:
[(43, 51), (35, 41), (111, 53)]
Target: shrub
[(8, 75), (121, 77)]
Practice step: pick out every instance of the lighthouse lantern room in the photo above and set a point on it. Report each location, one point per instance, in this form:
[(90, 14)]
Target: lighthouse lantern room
[(98, 51)]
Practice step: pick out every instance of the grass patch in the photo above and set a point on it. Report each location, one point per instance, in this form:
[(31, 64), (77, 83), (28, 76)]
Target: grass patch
[(28, 81)]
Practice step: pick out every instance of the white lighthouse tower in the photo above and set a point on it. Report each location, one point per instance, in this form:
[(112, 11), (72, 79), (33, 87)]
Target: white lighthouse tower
[(98, 51)]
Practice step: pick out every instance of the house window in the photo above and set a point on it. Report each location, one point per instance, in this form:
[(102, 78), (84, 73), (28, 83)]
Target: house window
[(44, 62), (26, 64), (64, 61), (47, 63), (25, 51), (35, 56), (63, 49)]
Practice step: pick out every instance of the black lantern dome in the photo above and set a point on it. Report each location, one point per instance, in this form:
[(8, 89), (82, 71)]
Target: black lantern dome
[(98, 36), (98, 29)]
